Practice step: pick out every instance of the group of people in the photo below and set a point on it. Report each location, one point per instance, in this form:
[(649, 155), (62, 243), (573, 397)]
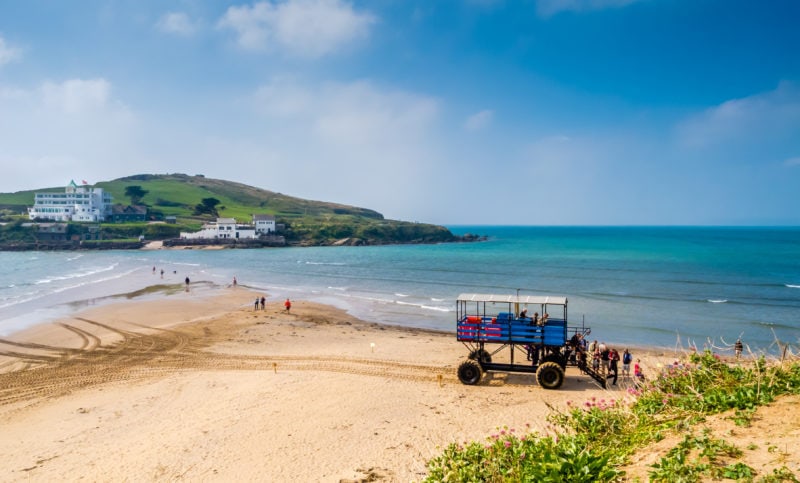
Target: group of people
[(535, 320), (605, 360), (262, 303)]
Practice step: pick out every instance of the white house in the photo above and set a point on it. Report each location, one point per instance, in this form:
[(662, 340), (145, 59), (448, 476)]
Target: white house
[(265, 224), (222, 228), (77, 203)]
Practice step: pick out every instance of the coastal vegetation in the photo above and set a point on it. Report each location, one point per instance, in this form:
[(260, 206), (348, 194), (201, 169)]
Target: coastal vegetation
[(596, 440), (191, 201)]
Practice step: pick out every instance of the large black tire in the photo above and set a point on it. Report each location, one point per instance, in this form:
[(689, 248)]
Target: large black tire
[(557, 358), (481, 356), (550, 375), (470, 372)]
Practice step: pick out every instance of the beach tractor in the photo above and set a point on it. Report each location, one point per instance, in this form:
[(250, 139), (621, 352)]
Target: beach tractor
[(521, 334)]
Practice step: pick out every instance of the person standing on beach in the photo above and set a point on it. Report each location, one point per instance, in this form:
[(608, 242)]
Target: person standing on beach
[(263, 303), (187, 283), (738, 347), (613, 358), (626, 363), (234, 281), (255, 306), (288, 305)]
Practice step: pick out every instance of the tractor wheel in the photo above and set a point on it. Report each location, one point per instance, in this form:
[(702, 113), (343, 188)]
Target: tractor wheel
[(470, 372), (557, 358), (550, 375), (481, 356)]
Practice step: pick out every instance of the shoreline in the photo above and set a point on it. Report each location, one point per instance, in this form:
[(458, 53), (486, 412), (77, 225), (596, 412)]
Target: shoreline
[(207, 288)]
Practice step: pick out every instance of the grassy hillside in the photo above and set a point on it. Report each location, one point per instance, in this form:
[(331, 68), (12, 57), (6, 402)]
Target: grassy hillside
[(307, 222)]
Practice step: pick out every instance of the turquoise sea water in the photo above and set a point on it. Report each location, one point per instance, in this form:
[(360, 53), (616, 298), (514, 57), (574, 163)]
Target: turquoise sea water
[(631, 285)]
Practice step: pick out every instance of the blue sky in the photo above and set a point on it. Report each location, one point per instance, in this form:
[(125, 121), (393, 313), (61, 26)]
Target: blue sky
[(551, 112)]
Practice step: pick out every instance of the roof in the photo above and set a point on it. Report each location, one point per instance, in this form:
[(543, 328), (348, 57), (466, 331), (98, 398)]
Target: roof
[(226, 220), (522, 299), (263, 218)]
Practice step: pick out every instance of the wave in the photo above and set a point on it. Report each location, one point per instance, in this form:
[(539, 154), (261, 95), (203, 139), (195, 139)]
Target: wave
[(338, 264), (718, 301), (425, 307), (401, 295), (433, 299), (76, 275), (788, 285), (31, 296), (340, 289), (773, 325)]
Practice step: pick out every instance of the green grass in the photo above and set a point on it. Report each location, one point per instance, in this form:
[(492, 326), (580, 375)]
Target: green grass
[(596, 439), (307, 222)]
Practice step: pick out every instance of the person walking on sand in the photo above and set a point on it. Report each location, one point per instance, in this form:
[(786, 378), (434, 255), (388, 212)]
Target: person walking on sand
[(263, 303), (234, 282), (255, 306), (738, 347), (288, 305), (187, 284)]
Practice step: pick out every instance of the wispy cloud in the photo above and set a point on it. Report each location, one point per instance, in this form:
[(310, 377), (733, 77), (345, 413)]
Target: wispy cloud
[(479, 120), (351, 131), (8, 53), (73, 126), (356, 113), (177, 23), (302, 28), (76, 95), (548, 8), (792, 162), (769, 115)]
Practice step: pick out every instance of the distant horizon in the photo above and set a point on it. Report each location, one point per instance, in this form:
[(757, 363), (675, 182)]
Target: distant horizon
[(545, 112)]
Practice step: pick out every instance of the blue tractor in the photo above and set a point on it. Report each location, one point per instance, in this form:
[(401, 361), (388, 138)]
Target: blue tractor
[(519, 333)]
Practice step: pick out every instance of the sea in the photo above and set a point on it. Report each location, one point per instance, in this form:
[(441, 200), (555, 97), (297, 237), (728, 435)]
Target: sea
[(670, 287)]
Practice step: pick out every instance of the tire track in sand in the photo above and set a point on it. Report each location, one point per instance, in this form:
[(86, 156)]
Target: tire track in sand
[(155, 353)]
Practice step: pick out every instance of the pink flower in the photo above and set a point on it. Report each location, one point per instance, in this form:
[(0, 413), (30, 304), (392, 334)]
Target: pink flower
[(507, 443)]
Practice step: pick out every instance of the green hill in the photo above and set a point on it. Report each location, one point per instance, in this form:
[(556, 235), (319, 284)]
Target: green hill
[(306, 222)]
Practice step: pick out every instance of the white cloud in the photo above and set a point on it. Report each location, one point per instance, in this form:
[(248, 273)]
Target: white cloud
[(548, 8), (8, 53), (303, 28), (177, 23), (769, 115), (284, 96), (479, 120), (359, 113), (792, 162), (346, 136), (76, 95), (65, 129)]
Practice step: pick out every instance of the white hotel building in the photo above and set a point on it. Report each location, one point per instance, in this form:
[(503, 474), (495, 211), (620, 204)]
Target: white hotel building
[(229, 228), (77, 203)]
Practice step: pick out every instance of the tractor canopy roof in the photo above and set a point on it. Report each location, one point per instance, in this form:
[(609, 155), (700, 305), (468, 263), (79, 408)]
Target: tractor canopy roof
[(514, 299)]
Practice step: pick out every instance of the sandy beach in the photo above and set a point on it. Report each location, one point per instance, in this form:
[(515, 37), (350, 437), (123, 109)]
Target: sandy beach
[(205, 388)]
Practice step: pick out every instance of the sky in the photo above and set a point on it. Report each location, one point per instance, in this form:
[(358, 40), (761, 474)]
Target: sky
[(529, 112)]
